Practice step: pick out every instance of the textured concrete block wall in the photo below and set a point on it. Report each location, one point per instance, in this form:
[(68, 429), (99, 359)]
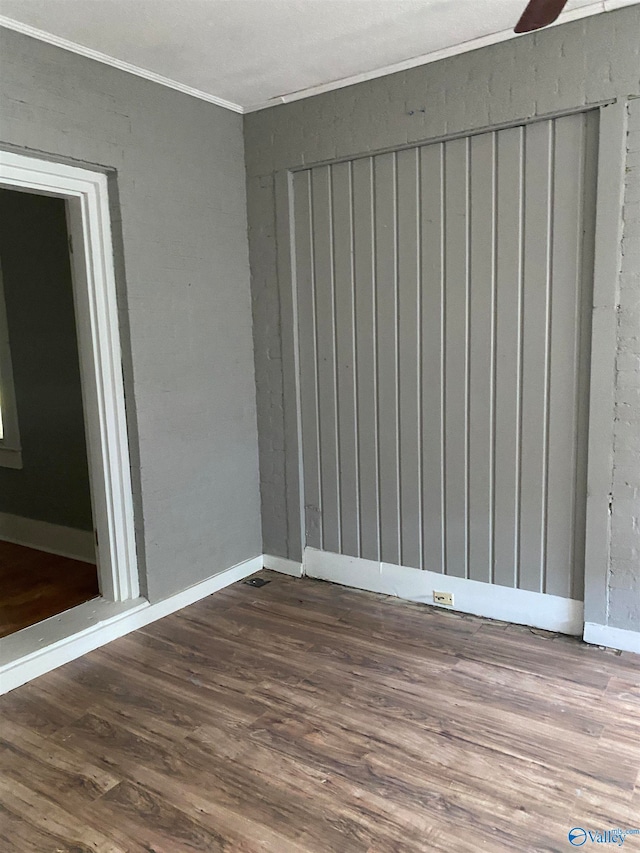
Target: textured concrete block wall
[(572, 66), (268, 365), (624, 577), (178, 167)]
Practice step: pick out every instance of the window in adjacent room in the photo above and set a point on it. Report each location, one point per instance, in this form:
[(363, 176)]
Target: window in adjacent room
[(10, 451)]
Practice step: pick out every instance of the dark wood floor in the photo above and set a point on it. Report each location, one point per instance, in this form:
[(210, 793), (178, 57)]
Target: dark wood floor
[(35, 585), (306, 717)]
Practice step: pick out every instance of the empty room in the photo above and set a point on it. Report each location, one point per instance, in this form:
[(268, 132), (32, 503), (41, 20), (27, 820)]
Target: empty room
[(319, 426)]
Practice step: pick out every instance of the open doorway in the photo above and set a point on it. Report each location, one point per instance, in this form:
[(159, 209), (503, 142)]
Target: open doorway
[(47, 553), (106, 533)]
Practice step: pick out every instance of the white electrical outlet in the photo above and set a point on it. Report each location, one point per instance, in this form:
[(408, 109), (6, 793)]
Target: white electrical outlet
[(443, 598)]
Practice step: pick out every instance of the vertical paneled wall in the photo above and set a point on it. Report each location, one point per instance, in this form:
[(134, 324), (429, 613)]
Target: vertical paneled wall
[(443, 298)]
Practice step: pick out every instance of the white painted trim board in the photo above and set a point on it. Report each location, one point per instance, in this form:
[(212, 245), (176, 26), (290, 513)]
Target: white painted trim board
[(612, 638), (34, 651), (52, 538), (60, 639), (282, 565), (522, 607)]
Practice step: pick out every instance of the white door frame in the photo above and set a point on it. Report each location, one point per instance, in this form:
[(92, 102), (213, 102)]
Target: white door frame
[(86, 196)]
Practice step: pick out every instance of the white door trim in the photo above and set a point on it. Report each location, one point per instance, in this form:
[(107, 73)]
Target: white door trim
[(86, 194)]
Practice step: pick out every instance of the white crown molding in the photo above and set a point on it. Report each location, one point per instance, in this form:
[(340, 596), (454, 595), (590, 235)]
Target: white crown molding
[(72, 46), (594, 8)]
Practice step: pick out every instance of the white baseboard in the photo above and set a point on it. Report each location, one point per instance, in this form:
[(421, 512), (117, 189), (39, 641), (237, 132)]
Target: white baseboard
[(52, 538), (36, 650), (549, 612), (612, 638), (282, 565)]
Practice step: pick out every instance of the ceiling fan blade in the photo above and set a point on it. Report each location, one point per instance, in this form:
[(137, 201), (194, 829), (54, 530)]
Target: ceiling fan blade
[(539, 13)]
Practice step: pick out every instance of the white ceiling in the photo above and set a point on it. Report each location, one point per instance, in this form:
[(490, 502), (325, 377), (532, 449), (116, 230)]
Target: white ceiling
[(247, 54)]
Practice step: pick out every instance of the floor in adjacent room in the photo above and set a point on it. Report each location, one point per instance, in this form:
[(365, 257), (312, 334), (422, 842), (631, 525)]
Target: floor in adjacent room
[(35, 585), (303, 716)]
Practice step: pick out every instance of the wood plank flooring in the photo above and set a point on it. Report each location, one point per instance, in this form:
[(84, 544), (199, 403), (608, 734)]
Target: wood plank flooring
[(303, 716), (35, 585)]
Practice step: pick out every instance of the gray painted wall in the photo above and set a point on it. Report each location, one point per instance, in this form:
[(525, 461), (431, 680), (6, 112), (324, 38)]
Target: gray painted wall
[(53, 484), (180, 223), (575, 65)]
